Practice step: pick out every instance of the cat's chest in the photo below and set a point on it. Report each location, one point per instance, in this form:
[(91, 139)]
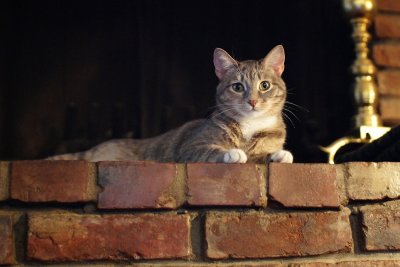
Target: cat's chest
[(251, 126)]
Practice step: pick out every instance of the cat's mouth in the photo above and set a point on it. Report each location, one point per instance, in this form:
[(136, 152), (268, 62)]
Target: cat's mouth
[(253, 112), (253, 109)]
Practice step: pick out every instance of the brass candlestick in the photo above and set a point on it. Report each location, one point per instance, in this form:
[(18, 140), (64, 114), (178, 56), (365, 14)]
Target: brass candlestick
[(367, 125)]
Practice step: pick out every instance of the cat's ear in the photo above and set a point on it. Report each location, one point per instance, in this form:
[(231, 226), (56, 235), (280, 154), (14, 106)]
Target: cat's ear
[(275, 59), (223, 62)]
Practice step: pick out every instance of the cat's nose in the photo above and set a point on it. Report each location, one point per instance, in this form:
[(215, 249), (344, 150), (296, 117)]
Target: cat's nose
[(252, 103)]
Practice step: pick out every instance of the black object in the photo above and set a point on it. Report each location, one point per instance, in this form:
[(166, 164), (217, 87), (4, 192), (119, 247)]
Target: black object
[(386, 148)]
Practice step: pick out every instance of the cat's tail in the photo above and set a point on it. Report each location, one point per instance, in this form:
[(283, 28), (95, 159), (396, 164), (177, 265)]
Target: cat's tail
[(70, 156)]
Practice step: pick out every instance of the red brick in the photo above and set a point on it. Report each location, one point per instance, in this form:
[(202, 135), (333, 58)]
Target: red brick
[(206, 264), (381, 226), (226, 184), (303, 185), (71, 237), (358, 263), (389, 82), (4, 180), (355, 263), (6, 240), (390, 110), (372, 181), (387, 55), (262, 235), (389, 5), (60, 181), (387, 26), (140, 185)]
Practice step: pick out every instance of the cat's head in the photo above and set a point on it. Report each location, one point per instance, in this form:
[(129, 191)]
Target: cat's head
[(250, 88)]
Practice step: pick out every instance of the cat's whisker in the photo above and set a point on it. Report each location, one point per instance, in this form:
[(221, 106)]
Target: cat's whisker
[(292, 113), (228, 105), (297, 106), (288, 118), (222, 105), (221, 111), (293, 109), (290, 90)]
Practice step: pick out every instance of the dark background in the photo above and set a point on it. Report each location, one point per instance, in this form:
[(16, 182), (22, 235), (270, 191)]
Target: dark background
[(75, 73)]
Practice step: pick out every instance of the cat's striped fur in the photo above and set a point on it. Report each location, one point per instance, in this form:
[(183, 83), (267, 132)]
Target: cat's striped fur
[(247, 125)]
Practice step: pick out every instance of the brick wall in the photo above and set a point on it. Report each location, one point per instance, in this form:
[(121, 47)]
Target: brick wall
[(163, 214), (386, 54)]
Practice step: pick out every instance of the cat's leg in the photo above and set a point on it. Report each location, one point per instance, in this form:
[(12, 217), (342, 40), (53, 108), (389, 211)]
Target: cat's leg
[(235, 155), (282, 156), (211, 153)]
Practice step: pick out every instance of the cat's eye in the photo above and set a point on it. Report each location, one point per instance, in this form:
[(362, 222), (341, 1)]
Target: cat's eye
[(238, 87), (265, 86)]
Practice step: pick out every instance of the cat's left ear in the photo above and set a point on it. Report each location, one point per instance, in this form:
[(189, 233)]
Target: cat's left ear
[(275, 59)]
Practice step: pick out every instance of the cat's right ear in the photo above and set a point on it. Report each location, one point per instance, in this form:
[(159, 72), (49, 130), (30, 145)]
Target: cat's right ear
[(223, 62)]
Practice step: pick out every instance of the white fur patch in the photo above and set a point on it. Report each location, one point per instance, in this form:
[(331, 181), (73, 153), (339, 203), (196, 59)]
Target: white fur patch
[(282, 156), (251, 126), (235, 156)]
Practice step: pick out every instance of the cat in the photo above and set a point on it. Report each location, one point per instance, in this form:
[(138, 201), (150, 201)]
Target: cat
[(246, 126)]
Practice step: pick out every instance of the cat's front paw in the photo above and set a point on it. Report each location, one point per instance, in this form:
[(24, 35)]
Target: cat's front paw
[(282, 156), (235, 156)]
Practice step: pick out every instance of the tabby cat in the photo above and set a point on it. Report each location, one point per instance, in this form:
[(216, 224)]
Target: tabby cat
[(246, 126)]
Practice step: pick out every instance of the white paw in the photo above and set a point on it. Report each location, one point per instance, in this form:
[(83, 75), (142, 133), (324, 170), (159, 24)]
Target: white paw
[(282, 156), (235, 156)]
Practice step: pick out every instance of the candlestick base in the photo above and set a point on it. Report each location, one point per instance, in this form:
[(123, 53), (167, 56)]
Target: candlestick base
[(362, 135)]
